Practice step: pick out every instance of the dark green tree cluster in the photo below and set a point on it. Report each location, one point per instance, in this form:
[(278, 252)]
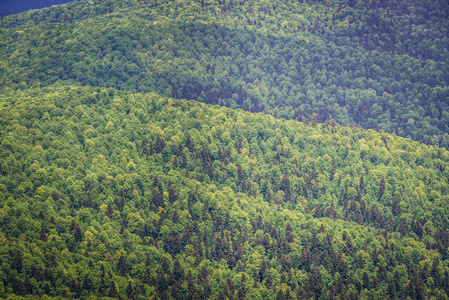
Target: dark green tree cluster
[(109, 193), (378, 64)]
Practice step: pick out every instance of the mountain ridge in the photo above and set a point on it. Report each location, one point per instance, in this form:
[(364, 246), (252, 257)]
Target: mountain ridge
[(188, 150), (341, 74)]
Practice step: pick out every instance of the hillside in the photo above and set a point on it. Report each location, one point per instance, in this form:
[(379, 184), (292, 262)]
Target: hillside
[(225, 150), (111, 193), (376, 64)]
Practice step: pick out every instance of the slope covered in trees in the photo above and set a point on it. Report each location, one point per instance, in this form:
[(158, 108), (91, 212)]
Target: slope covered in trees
[(110, 193), (378, 64), (111, 186)]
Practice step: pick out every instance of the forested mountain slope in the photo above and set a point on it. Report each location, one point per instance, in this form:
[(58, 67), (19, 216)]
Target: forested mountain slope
[(110, 193), (378, 64), (113, 185)]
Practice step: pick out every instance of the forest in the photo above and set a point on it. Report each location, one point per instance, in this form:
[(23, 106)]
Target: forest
[(376, 64), (111, 193), (225, 150)]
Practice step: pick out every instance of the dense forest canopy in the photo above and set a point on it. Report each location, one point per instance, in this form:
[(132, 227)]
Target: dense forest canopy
[(377, 64), (105, 192), (298, 173)]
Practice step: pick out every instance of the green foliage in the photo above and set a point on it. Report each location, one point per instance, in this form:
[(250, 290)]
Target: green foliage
[(112, 187), (109, 193), (378, 64)]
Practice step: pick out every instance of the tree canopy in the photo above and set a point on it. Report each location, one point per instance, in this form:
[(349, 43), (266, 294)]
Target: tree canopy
[(225, 149), (378, 64), (111, 193)]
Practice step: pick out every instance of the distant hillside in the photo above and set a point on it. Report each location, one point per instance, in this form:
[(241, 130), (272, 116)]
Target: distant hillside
[(9, 7), (377, 64), (111, 193)]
